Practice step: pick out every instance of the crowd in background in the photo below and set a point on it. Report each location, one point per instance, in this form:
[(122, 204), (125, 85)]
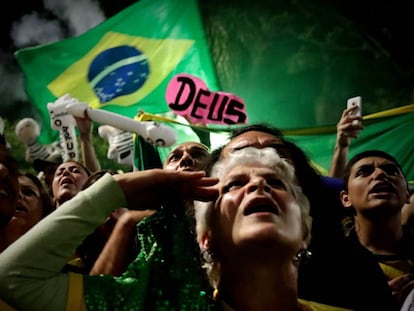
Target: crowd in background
[(250, 225)]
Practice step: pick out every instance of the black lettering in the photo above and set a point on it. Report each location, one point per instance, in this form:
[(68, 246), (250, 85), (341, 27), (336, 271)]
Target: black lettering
[(192, 88), (66, 133), (232, 110), (223, 102), (58, 122), (198, 103)]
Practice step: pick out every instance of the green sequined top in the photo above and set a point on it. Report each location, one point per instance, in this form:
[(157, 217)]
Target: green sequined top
[(166, 275)]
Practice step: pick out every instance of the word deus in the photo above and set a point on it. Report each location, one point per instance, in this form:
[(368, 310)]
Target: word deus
[(189, 97)]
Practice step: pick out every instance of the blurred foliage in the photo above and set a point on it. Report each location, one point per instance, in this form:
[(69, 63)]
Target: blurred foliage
[(298, 61), (19, 149)]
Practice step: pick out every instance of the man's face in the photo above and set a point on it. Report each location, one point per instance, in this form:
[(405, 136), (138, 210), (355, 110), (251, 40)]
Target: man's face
[(375, 183), (189, 156)]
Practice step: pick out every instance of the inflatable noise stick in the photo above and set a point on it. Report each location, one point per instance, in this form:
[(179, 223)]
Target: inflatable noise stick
[(154, 133), (65, 123), (27, 131)]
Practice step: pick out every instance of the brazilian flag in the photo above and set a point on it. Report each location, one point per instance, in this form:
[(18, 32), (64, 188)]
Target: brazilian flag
[(124, 64)]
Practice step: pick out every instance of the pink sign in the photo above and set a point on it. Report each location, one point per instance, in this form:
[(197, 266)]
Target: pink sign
[(188, 96)]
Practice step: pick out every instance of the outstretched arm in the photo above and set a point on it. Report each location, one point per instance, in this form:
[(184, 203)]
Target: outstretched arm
[(113, 259), (30, 269), (89, 157), (346, 130)]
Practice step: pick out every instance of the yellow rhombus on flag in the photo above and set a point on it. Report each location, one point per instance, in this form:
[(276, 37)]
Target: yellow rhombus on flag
[(74, 80)]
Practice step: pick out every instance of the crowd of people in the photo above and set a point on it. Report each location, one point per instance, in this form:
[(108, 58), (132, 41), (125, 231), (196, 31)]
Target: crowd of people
[(250, 225)]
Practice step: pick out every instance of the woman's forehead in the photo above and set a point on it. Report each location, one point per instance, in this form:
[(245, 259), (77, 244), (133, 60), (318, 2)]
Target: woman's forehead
[(250, 169), (71, 165), (26, 180), (254, 137), (251, 139)]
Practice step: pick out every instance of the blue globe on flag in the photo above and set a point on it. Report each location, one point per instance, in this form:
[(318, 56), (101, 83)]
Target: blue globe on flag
[(118, 71)]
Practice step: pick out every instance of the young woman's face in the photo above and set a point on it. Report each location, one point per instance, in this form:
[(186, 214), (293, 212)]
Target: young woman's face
[(255, 208), (29, 210), (68, 180)]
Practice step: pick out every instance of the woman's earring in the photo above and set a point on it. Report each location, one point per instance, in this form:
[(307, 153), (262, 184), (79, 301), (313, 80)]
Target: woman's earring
[(302, 257), (207, 256)]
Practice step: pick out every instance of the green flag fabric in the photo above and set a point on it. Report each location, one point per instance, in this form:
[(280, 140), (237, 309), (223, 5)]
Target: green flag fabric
[(390, 131), (122, 65)]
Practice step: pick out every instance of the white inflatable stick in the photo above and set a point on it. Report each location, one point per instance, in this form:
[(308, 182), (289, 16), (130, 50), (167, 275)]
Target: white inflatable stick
[(154, 133), (65, 123)]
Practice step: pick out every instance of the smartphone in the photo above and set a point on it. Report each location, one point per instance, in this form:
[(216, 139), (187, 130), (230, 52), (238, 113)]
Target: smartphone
[(355, 101)]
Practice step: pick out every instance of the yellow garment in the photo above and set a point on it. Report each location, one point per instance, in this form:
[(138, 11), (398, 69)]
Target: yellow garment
[(395, 268), (315, 306), (75, 300)]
